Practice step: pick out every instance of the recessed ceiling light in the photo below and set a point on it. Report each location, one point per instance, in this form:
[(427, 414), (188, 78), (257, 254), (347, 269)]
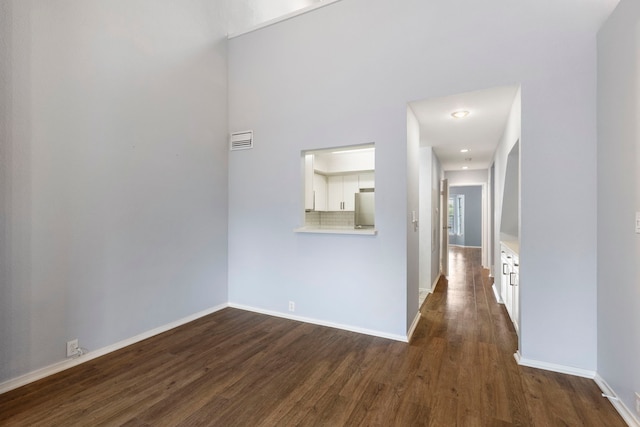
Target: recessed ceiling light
[(460, 114), (464, 150), (465, 167)]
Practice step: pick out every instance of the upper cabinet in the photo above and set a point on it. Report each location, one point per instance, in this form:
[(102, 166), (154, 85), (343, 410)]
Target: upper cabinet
[(333, 177), (341, 191), (366, 180)]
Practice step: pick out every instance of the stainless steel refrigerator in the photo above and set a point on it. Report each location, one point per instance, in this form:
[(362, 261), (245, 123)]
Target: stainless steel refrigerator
[(365, 208)]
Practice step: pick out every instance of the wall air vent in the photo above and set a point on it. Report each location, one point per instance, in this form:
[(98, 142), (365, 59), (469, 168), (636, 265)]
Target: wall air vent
[(241, 140)]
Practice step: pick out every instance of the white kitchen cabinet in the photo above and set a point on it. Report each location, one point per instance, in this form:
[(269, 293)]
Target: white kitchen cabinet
[(510, 286), (320, 192), (308, 182), (366, 180), (341, 190)]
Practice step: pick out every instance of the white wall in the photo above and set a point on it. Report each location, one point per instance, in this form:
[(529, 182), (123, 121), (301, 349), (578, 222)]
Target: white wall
[(114, 171), (476, 177), (344, 74), (618, 201)]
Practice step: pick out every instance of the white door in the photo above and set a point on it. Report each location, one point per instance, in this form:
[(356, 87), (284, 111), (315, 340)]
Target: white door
[(444, 208)]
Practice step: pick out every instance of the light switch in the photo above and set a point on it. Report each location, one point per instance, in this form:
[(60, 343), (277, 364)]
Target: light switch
[(637, 222)]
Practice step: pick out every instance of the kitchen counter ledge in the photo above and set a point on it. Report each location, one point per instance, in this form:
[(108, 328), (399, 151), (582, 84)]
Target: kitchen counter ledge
[(318, 230)]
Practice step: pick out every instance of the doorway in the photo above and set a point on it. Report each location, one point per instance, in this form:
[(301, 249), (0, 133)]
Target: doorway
[(464, 219), (460, 136)]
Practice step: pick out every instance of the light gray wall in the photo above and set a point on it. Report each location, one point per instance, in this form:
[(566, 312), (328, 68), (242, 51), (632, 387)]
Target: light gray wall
[(618, 201), (472, 235), (344, 75), (114, 171)]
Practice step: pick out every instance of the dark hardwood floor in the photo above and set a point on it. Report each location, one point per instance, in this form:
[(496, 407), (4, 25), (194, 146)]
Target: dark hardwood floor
[(235, 368)]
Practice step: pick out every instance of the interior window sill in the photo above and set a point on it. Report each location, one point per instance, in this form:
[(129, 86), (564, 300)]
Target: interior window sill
[(324, 230)]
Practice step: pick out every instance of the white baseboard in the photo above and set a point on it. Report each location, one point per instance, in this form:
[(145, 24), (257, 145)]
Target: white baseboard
[(413, 327), (497, 294), (618, 404), (321, 323), (561, 369), (90, 355), (435, 283)]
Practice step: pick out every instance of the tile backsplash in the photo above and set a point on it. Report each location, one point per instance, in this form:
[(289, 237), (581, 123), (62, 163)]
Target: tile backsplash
[(336, 220)]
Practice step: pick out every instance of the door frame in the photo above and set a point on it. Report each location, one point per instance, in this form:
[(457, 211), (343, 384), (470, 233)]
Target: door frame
[(444, 222)]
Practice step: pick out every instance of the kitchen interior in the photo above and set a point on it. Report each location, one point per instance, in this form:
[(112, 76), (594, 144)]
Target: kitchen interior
[(339, 190)]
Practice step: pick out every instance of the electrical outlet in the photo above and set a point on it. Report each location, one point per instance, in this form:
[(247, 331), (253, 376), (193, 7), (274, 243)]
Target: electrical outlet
[(292, 306), (638, 403), (72, 347)]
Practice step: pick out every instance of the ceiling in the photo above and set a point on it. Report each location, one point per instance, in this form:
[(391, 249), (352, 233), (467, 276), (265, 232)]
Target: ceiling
[(479, 132), (247, 15)]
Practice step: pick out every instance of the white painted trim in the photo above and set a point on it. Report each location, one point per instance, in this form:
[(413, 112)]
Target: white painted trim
[(435, 283), (54, 368), (561, 369), (282, 18), (463, 246), (414, 325), (321, 322), (315, 230), (496, 293), (618, 404)]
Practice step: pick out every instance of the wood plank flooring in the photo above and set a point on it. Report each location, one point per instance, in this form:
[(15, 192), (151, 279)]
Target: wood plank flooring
[(235, 368)]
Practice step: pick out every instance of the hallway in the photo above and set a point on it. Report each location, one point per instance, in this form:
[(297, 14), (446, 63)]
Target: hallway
[(238, 368), (479, 381)]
